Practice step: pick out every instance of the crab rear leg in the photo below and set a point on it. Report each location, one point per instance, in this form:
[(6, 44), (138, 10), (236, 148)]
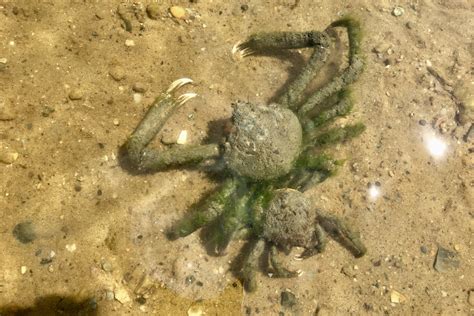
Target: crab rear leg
[(290, 40), (214, 206), (163, 107), (343, 234), (250, 265), (349, 75)]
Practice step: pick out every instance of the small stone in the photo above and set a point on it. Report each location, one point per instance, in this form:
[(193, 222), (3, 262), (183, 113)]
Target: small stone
[(398, 11), (153, 11), (178, 12), (137, 98), (107, 267), (117, 73), (348, 270), (397, 297), (244, 7), (51, 268), (182, 138), (139, 87), (446, 260), (6, 114), (410, 25), (470, 297), (7, 155), (444, 294), (109, 295), (122, 296), (422, 122), (129, 43), (71, 247), (116, 122), (424, 249), (24, 232), (287, 299), (196, 310), (76, 94), (23, 269), (3, 60)]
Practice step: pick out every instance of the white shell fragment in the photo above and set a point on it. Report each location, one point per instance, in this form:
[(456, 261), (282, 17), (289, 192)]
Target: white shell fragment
[(182, 138)]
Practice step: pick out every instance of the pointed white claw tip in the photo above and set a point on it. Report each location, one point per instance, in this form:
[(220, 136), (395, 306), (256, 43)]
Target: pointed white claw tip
[(178, 84), (300, 272), (239, 53), (298, 257), (182, 99), (270, 275)]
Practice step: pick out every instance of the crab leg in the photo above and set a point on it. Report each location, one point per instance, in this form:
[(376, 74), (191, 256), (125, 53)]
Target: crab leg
[(212, 208), (321, 239), (336, 135), (290, 40), (251, 265), (342, 233), (162, 108), (349, 75), (278, 270)]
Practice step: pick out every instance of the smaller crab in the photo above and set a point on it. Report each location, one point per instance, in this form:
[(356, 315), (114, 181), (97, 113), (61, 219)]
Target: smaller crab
[(272, 152), (290, 221)]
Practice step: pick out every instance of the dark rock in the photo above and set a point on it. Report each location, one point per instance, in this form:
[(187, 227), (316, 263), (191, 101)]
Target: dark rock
[(24, 232), (288, 299), (446, 260)]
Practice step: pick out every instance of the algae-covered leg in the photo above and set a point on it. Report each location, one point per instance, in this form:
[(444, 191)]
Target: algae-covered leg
[(349, 75), (290, 40), (162, 108), (213, 206), (279, 271), (342, 233), (250, 265), (230, 221), (335, 135)]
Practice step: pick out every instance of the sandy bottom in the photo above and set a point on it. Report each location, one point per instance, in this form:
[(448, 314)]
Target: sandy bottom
[(80, 234)]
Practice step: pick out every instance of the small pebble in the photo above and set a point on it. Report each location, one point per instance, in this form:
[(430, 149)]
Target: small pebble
[(397, 297), (71, 247), (244, 7), (196, 311), (444, 294), (3, 60), (139, 87), (51, 268), (398, 11), (129, 43), (446, 260), (76, 94), (422, 122), (116, 122), (109, 296), (23, 269), (117, 73), (7, 155), (287, 299), (107, 267), (137, 98), (178, 12), (470, 297), (122, 296), (182, 138), (424, 249), (24, 232), (153, 11)]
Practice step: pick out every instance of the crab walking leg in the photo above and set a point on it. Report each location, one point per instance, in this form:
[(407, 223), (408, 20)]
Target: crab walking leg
[(230, 221), (278, 270), (290, 40), (158, 113), (212, 208), (349, 75), (336, 135), (341, 107), (250, 265), (342, 233)]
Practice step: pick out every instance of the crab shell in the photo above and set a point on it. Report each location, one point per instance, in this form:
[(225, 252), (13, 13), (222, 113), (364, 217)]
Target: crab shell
[(290, 220), (264, 142)]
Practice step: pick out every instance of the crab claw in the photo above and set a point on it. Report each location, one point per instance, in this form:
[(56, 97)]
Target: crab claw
[(239, 51), (178, 84)]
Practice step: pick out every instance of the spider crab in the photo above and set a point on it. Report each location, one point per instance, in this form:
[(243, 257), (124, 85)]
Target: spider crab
[(273, 154)]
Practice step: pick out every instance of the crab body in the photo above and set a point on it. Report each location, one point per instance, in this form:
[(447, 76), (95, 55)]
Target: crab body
[(273, 153)]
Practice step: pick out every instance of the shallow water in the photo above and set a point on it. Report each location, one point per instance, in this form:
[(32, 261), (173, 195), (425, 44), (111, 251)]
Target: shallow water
[(96, 242)]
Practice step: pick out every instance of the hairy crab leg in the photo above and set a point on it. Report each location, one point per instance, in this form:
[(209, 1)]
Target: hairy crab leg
[(162, 108), (342, 233), (230, 221), (250, 265), (290, 40), (335, 135), (278, 270), (349, 75), (321, 239), (214, 206)]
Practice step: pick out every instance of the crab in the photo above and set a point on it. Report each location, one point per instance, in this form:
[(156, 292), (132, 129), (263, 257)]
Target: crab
[(273, 154)]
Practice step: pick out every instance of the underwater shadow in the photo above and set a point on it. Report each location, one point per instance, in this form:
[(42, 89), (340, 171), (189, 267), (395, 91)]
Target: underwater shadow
[(54, 305)]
